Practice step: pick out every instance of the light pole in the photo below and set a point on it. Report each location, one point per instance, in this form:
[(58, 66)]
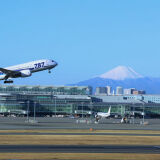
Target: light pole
[(23, 103), (91, 109), (82, 109), (143, 112), (133, 113), (34, 111), (28, 111), (55, 105), (122, 111)]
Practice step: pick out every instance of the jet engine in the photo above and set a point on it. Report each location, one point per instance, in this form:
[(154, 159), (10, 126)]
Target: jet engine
[(26, 73), (2, 77)]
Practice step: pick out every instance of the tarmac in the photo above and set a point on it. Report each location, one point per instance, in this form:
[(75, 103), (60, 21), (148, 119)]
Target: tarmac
[(19, 123)]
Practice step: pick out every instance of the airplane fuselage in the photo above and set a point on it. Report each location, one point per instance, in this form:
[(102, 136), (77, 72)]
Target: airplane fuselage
[(103, 115), (26, 69)]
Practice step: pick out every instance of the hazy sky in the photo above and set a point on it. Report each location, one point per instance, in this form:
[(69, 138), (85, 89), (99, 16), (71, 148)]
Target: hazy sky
[(85, 37)]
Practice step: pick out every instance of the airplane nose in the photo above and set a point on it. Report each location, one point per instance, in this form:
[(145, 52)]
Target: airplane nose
[(53, 63), (56, 63)]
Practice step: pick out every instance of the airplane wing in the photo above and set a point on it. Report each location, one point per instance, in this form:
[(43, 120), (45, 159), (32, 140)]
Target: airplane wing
[(6, 71), (9, 73)]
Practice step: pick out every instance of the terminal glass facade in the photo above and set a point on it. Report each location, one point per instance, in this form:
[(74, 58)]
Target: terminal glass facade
[(56, 90), (70, 100)]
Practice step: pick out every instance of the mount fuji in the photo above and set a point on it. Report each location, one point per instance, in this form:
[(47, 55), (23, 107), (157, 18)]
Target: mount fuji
[(121, 73), (125, 77)]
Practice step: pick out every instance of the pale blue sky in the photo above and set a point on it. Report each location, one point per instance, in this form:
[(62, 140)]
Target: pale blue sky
[(86, 37)]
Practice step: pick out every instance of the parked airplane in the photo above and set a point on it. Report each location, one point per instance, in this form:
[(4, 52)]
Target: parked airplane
[(26, 69), (104, 114)]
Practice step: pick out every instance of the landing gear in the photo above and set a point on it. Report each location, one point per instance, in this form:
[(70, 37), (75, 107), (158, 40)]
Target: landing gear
[(8, 81), (49, 71)]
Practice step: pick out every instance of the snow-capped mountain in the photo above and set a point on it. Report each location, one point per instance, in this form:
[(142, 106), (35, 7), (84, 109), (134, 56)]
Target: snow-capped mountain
[(125, 77), (121, 73)]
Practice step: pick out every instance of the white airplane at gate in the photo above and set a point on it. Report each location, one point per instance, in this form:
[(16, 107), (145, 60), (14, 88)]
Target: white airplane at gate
[(26, 69), (104, 114)]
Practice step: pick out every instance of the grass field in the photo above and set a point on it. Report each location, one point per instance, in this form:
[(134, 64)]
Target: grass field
[(79, 156), (79, 140)]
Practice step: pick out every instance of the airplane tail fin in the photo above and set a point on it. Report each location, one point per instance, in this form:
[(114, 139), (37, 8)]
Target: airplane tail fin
[(109, 110)]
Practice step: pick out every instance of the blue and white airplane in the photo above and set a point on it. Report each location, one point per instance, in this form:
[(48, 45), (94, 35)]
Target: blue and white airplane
[(26, 69)]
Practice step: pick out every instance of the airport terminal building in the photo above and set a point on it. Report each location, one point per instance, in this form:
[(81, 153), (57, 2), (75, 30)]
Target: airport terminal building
[(72, 100), (47, 100)]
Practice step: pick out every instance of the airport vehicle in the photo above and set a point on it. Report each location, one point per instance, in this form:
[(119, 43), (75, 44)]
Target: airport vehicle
[(26, 69), (104, 114)]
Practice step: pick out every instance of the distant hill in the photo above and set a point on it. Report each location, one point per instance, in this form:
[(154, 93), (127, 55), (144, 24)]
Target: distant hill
[(125, 77)]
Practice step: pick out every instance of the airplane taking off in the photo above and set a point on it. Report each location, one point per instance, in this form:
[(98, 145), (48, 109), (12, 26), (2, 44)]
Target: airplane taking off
[(104, 114), (26, 69)]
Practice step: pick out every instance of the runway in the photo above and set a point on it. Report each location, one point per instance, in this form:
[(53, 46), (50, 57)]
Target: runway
[(79, 149)]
